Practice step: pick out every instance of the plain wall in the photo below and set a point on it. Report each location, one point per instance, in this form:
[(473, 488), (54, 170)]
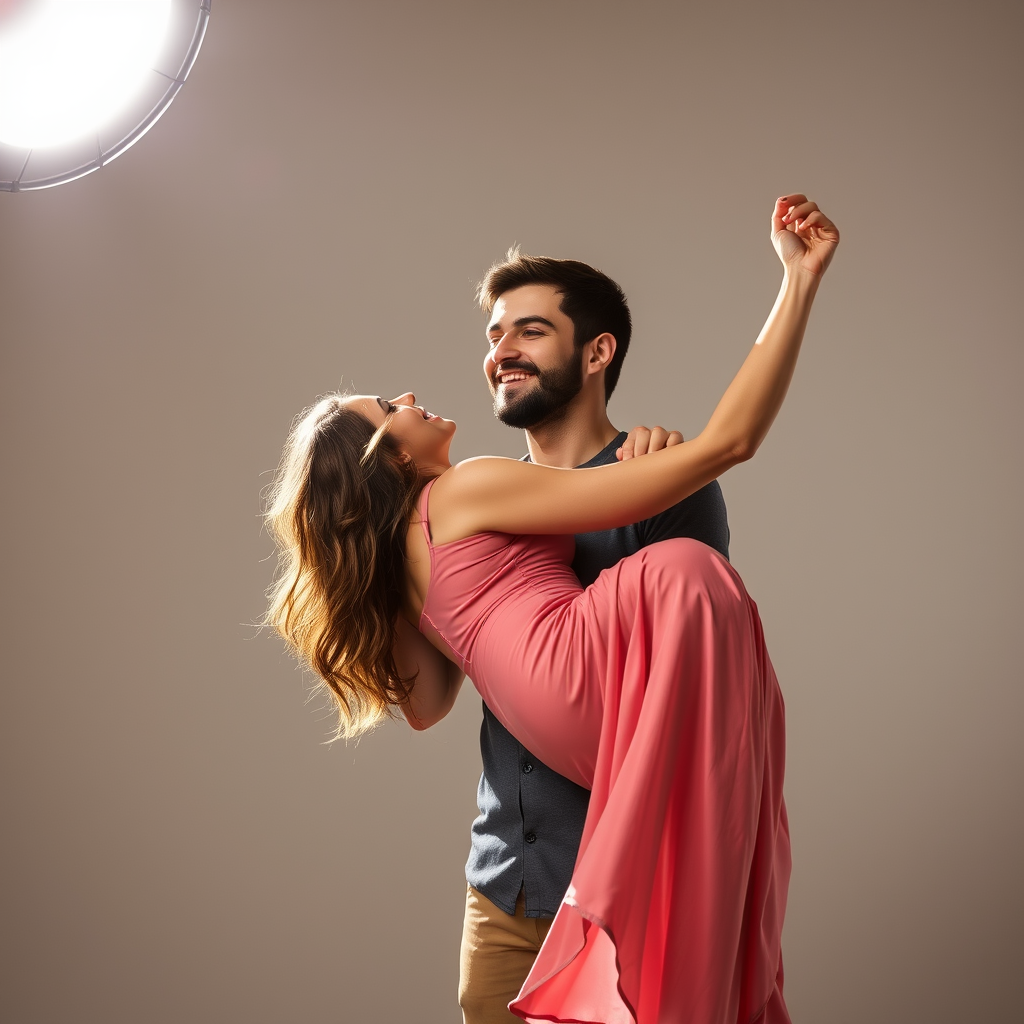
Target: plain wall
[(179, 842)]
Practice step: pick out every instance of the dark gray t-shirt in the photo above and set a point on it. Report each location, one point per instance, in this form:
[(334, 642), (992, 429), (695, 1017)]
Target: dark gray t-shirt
[(531, 818)]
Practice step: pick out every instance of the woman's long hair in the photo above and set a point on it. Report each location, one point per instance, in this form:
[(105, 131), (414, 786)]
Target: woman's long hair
[(338, 510)]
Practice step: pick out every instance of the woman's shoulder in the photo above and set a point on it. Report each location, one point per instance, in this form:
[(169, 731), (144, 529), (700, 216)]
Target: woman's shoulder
[(460, 494), (481, 471)]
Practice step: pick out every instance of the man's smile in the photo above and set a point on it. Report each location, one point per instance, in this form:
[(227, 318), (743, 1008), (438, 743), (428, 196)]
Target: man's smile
[(512, 375)]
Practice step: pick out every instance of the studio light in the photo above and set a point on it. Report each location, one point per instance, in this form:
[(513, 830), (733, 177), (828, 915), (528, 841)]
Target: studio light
[(83, 80)]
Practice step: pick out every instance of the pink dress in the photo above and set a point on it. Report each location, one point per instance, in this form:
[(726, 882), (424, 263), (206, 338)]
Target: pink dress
[(653, 689)]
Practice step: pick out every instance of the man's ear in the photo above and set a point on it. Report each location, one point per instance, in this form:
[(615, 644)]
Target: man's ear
[(600, 353)]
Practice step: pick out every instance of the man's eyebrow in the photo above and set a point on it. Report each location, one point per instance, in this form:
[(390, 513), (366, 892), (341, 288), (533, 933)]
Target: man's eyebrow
[(522, 322)]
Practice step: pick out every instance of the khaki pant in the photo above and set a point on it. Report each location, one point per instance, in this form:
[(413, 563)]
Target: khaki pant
[(497, 953)]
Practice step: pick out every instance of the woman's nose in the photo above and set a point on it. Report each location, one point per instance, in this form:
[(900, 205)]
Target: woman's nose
[(407, 399)]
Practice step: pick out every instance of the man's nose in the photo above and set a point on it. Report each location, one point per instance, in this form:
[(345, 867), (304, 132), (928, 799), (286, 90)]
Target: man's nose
[(505, 349)]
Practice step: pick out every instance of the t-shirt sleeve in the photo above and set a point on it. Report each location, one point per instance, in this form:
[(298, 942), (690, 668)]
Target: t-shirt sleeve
[(701, 516)]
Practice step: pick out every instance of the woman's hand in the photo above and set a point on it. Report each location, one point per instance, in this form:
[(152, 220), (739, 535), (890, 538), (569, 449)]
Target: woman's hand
[(803, 236)]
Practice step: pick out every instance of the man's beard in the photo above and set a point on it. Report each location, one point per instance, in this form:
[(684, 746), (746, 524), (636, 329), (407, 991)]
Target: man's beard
[(544, 401)]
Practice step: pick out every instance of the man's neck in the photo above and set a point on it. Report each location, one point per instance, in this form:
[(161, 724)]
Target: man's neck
[(571, 441)]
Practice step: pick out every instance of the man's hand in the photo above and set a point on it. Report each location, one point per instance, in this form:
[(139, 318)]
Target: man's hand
[(644, 440)]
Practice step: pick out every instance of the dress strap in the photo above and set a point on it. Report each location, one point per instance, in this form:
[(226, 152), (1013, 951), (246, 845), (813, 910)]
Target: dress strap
[(422, 506)]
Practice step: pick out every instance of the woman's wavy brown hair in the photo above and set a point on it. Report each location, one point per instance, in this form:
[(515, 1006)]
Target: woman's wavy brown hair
[(338, 510)]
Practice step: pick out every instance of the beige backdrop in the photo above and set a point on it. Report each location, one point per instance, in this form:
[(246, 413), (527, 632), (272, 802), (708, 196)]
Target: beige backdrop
[(178, 842)]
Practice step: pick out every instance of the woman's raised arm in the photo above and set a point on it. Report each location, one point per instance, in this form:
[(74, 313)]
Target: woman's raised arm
[(516, 497)]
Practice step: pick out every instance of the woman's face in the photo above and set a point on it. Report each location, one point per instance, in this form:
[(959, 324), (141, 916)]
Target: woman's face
[(420, 434)]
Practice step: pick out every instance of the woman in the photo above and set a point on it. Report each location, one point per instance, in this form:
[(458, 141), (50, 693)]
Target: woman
[(652, 687)]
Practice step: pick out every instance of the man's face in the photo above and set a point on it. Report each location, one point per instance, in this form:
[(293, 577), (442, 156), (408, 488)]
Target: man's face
[(532, 367)]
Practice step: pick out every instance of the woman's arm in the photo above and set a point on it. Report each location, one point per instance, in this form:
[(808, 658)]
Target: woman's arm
[(515, 497), (437, 681)]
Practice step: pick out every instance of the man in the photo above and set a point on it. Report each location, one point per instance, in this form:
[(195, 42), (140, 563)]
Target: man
[(557, 332)]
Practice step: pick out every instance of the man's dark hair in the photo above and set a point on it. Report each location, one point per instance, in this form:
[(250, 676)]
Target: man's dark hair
[(591, 300)]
